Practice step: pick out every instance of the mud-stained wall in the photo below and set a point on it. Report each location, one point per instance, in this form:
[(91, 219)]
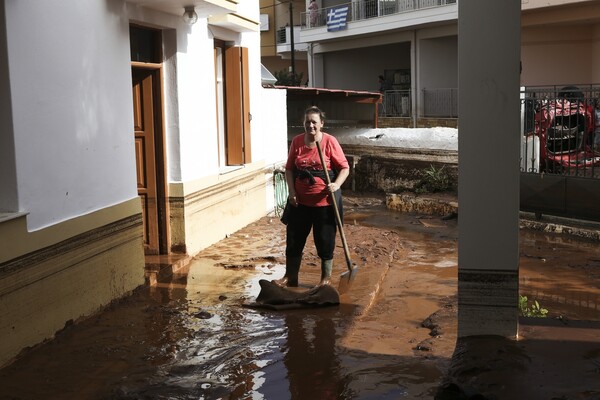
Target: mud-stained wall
[(205, 216), (66, 277), (389, 169)]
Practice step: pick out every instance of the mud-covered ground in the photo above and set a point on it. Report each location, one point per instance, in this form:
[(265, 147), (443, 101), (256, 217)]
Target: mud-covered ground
[(392, 337)]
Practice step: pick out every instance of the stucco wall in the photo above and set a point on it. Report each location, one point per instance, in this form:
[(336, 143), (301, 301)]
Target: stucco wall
[(358, 69), (558, 56), (71, 103), (438, 63)]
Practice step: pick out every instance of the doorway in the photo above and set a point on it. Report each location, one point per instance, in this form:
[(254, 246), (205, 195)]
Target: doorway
[(149, 138)]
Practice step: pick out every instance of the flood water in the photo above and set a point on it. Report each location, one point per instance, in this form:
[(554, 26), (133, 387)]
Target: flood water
[(190, 338)]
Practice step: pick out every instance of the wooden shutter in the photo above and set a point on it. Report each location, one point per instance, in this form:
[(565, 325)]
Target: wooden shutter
[(237, 103)]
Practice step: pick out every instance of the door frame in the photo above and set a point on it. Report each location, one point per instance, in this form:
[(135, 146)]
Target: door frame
[(160, 156)]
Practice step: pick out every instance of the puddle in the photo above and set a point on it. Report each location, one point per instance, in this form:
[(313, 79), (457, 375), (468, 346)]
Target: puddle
[(189, 338)]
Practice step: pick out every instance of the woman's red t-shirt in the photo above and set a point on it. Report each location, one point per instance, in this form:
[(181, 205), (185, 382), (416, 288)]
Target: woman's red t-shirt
[(303, 157)]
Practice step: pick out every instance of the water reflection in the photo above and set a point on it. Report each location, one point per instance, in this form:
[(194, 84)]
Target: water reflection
[(311, 360)]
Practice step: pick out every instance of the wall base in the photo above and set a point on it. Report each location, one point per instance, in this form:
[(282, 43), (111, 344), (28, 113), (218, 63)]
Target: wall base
[(488, 303), (43, 290)]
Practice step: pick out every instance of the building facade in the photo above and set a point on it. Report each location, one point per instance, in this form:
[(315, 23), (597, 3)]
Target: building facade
[(126, 131), (414, 45)]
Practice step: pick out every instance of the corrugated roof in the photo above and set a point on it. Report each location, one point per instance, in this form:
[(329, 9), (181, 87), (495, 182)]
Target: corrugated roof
[(352, 95)]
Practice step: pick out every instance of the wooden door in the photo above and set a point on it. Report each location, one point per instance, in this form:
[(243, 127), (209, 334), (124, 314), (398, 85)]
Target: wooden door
[(145, 155)]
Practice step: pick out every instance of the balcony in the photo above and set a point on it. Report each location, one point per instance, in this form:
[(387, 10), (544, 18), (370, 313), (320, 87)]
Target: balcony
[(363, 10), (284, 42)]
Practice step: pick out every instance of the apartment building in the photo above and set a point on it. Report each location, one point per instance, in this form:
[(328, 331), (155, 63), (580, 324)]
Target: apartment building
[(414, 45)]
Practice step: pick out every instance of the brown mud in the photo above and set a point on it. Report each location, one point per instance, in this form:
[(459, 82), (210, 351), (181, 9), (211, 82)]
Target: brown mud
[(392, 337)]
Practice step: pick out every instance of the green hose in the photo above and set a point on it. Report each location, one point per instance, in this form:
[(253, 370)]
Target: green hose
[(281, 191)]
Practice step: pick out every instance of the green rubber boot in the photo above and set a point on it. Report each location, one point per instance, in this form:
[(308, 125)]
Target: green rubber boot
[(290, 279), (326, 268)]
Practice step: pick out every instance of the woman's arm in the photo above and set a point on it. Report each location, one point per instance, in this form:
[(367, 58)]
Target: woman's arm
[(289, 178), (339, 180)]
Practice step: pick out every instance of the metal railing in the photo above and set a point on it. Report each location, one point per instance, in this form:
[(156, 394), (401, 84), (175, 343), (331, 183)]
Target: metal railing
[(440, 103), (437, 103), (396, 103), (560, 127), (359, 10), (282, 35)]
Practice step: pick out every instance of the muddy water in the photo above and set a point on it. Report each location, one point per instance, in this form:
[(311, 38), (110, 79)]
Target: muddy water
[(190, 338), (562, 274)]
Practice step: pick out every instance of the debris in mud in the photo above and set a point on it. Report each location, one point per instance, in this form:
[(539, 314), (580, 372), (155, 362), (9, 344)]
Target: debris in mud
[(203, 315), (425, 345), (237, 266), (443, 318)]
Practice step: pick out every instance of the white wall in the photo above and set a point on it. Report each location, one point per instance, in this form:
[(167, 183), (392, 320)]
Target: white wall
[(71, 97), (271, 121), (567, 49), (358, 69), (596, 54), (438, 63), (198, 140), (8, 174)]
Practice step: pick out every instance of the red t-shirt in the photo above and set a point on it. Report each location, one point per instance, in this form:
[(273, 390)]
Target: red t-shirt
[(303, 157)]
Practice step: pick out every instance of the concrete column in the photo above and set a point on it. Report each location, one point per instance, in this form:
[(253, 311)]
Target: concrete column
[(317, 70), (488, 247)]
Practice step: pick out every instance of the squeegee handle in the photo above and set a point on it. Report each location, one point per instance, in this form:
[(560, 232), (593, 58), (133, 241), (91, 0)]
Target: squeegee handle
[(338, 219)]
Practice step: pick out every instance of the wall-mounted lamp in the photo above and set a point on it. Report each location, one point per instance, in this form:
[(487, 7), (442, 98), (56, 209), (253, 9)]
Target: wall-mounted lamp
[(189, 15)]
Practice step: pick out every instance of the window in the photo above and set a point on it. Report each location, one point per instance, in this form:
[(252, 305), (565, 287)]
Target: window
[(145, 44), (233, 104)]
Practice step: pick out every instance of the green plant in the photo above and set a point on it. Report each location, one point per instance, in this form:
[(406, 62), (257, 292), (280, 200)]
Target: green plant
[(286, 78), (433, 180), (534, 311)]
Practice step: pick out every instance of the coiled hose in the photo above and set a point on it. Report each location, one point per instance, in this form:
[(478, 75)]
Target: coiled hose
[(281, 191)]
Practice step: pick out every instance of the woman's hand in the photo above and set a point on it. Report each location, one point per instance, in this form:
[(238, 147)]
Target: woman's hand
[(293, 199), (333, 187)]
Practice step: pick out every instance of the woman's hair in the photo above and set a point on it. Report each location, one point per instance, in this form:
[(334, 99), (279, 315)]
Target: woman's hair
[(315, 110)]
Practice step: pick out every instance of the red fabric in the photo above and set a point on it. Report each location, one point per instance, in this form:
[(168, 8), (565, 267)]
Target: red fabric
[(303, 157)]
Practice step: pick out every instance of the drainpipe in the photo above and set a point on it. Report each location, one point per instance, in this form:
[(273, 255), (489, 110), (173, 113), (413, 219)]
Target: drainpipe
[(292, 40), (414, 84)]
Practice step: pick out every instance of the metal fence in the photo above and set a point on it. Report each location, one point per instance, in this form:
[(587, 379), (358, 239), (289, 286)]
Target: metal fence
[(396, 103), (561, 130), (440, 103), (437, 103), (359, 10)]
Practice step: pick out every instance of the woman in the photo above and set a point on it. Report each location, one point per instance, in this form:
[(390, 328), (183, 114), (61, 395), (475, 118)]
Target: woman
[(310, 196), (313, 7)]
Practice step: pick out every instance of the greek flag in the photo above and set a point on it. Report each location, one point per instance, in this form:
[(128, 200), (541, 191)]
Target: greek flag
[(336, 18)]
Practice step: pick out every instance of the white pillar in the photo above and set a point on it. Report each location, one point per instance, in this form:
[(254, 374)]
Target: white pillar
[(488, 247)]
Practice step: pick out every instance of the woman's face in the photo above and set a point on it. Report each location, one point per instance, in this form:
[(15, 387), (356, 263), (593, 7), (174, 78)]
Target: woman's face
[(312, 123)]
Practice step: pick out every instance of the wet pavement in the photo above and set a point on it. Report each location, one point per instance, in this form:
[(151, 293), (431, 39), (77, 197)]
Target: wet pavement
[(393, 336)]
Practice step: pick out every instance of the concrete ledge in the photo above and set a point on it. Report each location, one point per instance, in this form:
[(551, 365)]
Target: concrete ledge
[(573, 227), (430, 204)]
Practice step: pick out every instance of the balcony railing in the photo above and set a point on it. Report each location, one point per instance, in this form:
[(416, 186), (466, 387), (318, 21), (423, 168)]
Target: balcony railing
[(284, 40), (360, 10), (440, 103), (396, 103)]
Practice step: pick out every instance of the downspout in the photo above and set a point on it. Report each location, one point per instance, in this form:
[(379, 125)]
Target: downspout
[(292, 43), (414, 82)]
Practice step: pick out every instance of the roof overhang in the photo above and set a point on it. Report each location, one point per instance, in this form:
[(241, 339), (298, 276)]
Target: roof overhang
[(204, 8), (234, 22), (299, 92)]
